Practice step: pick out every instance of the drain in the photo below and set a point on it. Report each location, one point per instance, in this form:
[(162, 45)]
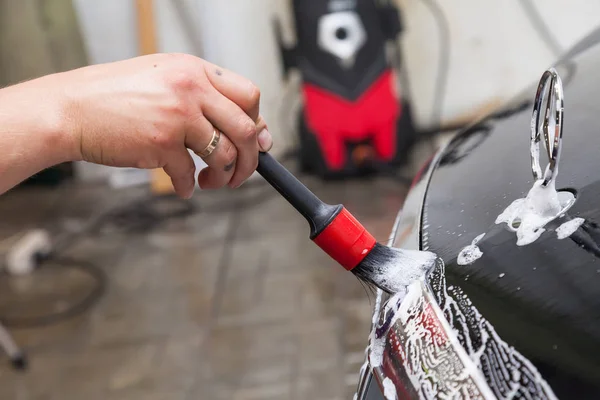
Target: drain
[(516, 223)]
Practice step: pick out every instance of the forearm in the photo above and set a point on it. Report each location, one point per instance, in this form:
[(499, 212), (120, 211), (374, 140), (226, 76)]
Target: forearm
[(145, 112), (35, 130)]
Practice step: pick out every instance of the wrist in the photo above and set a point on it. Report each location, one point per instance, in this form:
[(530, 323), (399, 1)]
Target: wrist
[(35, 116), (36, 130), (61, 121)]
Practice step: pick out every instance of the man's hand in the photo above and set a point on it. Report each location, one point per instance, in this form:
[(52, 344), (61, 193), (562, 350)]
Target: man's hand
[(147, 111)]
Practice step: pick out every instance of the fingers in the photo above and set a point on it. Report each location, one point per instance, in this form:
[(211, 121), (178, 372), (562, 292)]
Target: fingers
[(243, 93), (239, 128), (221, 162), (236, 88), (265, 141), (181, 168)]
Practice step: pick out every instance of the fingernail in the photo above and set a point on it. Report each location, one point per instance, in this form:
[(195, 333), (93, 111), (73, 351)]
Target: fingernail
[(190, 191), (265, 141), (234, 185)]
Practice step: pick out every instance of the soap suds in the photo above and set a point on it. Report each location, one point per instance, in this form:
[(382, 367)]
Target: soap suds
[(403, 269), (389, 389), (509, 374), (376, 310), (531, 214), (568, 228), (376, 353), (471, 253), (427, 351), (377, 337)]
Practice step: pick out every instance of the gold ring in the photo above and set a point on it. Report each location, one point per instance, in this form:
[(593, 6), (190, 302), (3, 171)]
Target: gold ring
[(212, 145)]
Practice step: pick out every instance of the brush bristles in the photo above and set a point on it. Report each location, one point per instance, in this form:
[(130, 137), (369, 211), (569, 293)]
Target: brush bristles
[(392, 270)]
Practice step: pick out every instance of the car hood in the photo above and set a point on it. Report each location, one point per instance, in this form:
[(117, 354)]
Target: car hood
[(521, 321), (542, 298)]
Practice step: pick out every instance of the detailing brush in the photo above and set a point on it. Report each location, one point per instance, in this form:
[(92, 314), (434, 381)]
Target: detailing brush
[(343, 238)]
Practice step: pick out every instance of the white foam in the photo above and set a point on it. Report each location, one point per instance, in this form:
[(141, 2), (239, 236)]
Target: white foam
[(378, 344), (568, 228), (376, 353), (427, 360), (407, 267), (503, 365), (469, 254), (389, 389), (376, 310), (532, 213)]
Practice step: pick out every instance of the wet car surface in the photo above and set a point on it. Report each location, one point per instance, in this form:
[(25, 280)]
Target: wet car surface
[(521, 321)]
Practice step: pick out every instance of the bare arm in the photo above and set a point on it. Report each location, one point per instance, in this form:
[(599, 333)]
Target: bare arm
[(33, 132), (144, 113)]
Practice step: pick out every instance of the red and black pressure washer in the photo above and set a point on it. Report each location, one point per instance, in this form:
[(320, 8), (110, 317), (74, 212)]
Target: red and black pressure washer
[(352, 120)]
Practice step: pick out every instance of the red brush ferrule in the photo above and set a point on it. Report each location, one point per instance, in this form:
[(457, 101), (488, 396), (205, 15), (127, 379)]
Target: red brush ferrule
[(346, 240)]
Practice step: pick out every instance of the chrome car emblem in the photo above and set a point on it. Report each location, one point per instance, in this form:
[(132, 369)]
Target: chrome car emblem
[(550, 85)]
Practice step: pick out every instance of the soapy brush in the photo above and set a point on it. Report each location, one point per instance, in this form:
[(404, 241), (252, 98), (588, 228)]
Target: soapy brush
[(337, 232)]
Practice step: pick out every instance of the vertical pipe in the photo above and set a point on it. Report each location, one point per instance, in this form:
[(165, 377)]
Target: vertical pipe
[(146, 27), (160, 182)]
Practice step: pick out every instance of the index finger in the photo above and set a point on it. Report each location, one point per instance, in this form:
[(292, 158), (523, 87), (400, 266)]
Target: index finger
[(235, 87)]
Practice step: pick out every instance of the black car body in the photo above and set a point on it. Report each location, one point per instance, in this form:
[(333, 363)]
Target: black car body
[(521, 321)]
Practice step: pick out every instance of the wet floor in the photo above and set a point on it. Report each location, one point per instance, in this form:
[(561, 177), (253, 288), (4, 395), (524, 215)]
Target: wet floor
[(227, 300)]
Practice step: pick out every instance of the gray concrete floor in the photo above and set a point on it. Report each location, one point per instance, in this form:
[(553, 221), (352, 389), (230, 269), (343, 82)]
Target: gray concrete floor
[(227, 303)]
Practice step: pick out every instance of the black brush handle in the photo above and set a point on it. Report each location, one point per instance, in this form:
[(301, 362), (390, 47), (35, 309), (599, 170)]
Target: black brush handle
[(317, 213)]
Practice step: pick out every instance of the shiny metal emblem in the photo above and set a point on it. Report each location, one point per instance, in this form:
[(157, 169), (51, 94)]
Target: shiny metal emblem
[(550, 86)]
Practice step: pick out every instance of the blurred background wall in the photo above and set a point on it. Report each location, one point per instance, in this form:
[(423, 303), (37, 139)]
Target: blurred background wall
[(461, 58)]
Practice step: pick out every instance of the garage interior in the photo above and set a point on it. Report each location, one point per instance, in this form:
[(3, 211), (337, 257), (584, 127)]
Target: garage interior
[(224, 296)]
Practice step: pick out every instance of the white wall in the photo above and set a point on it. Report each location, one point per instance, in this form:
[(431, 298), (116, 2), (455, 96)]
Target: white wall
[(110, 34), (238, 35), (235, 34), (494, 49)]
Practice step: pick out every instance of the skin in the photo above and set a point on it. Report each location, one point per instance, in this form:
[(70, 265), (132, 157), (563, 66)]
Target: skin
[(143, 112)]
